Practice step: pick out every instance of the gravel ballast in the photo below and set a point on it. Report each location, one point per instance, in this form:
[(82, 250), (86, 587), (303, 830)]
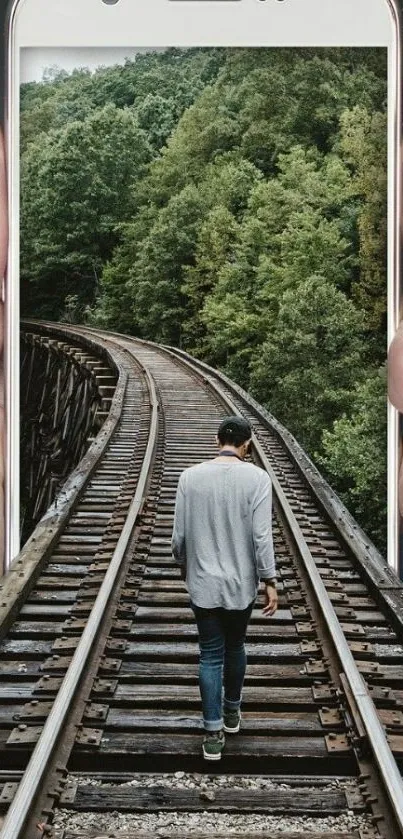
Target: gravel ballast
[(217, 823)]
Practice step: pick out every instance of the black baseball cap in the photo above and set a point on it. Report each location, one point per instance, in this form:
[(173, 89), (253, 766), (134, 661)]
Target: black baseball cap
[(234, 427)]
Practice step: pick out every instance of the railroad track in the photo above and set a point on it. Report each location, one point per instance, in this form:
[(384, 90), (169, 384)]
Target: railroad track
[(106, 620)]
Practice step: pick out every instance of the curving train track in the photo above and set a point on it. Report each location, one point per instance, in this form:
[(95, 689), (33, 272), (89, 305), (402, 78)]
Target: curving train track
[(100, 725)]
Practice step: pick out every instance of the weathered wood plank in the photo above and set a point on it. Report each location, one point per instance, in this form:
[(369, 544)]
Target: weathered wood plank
[(18, 670), (162, 630), (240, 747), (386, 652), (382, 673), (172, 671), (35, 629), (368, 617), (380, 633), (21, 647), (149, 613), (131, 694), (64, 570), (164, 719), (64, 596), (286, 652), (175, 599), (17, 690), (292, 802), (9, 714), (36, 610), (61, 583)]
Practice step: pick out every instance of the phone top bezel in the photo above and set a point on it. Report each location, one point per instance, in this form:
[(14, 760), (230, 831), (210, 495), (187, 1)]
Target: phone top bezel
[(204, 22)]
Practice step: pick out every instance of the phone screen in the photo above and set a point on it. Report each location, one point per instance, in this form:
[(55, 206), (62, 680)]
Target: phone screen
[(228, 201)]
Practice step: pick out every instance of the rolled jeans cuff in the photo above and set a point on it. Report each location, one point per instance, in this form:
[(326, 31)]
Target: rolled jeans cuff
[(213, 725), (231, 706)]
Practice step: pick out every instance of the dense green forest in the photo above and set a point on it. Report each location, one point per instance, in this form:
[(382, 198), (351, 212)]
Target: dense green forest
[(231, 202)]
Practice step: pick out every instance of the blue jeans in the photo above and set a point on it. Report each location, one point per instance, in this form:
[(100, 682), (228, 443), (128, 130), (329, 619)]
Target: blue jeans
[(222, 660)]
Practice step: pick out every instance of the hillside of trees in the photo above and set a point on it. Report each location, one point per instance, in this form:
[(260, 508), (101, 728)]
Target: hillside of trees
[(231, 202)]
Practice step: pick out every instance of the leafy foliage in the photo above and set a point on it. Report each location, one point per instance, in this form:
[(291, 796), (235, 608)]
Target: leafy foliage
[(362, 141), (230, 201), (354, 454), (312, 357), (75, 189)]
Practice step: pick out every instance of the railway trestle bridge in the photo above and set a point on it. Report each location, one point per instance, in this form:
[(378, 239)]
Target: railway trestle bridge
[(100, 728)]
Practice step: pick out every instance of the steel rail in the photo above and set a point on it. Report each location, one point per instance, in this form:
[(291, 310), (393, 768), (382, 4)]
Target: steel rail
[(18, 812), (355, 539), (377, 573), (29, 560), (376, 736), (371, 561)]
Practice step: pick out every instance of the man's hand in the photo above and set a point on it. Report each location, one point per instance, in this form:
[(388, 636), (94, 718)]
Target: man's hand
[(271, 598)]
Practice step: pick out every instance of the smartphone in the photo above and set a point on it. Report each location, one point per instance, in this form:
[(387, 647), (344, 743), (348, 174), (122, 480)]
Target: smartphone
[(270, 131)]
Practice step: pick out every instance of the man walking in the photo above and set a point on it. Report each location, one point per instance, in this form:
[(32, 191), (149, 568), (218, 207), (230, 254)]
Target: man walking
[(222, 539)]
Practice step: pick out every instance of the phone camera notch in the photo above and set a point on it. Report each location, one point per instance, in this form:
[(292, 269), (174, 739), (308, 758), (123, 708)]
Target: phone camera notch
[(110, 2)]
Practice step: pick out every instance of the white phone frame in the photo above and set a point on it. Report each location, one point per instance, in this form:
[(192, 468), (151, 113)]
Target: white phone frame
[(160, 23)]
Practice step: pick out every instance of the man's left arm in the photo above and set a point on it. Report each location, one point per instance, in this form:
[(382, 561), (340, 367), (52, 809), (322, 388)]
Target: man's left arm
[(178, 535), (263, 541), (262, 530)]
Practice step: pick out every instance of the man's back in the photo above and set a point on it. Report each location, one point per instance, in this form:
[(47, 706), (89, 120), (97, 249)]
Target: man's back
[(222, 531), (222, 539)]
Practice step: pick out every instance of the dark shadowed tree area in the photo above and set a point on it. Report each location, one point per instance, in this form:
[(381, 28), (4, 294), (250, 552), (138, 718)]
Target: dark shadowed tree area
[(231, 202)]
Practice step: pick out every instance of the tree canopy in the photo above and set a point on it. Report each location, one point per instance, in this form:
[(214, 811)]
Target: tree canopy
[(231, 202)]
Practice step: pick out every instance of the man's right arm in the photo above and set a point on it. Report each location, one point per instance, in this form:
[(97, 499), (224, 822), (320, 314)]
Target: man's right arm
[(178, 544)]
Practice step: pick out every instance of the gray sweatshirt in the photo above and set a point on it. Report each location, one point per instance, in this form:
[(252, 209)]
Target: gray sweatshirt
[(222, 532)]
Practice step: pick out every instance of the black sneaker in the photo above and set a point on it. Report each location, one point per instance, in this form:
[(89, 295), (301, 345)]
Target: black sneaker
[(213, 744), (232, 721)]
